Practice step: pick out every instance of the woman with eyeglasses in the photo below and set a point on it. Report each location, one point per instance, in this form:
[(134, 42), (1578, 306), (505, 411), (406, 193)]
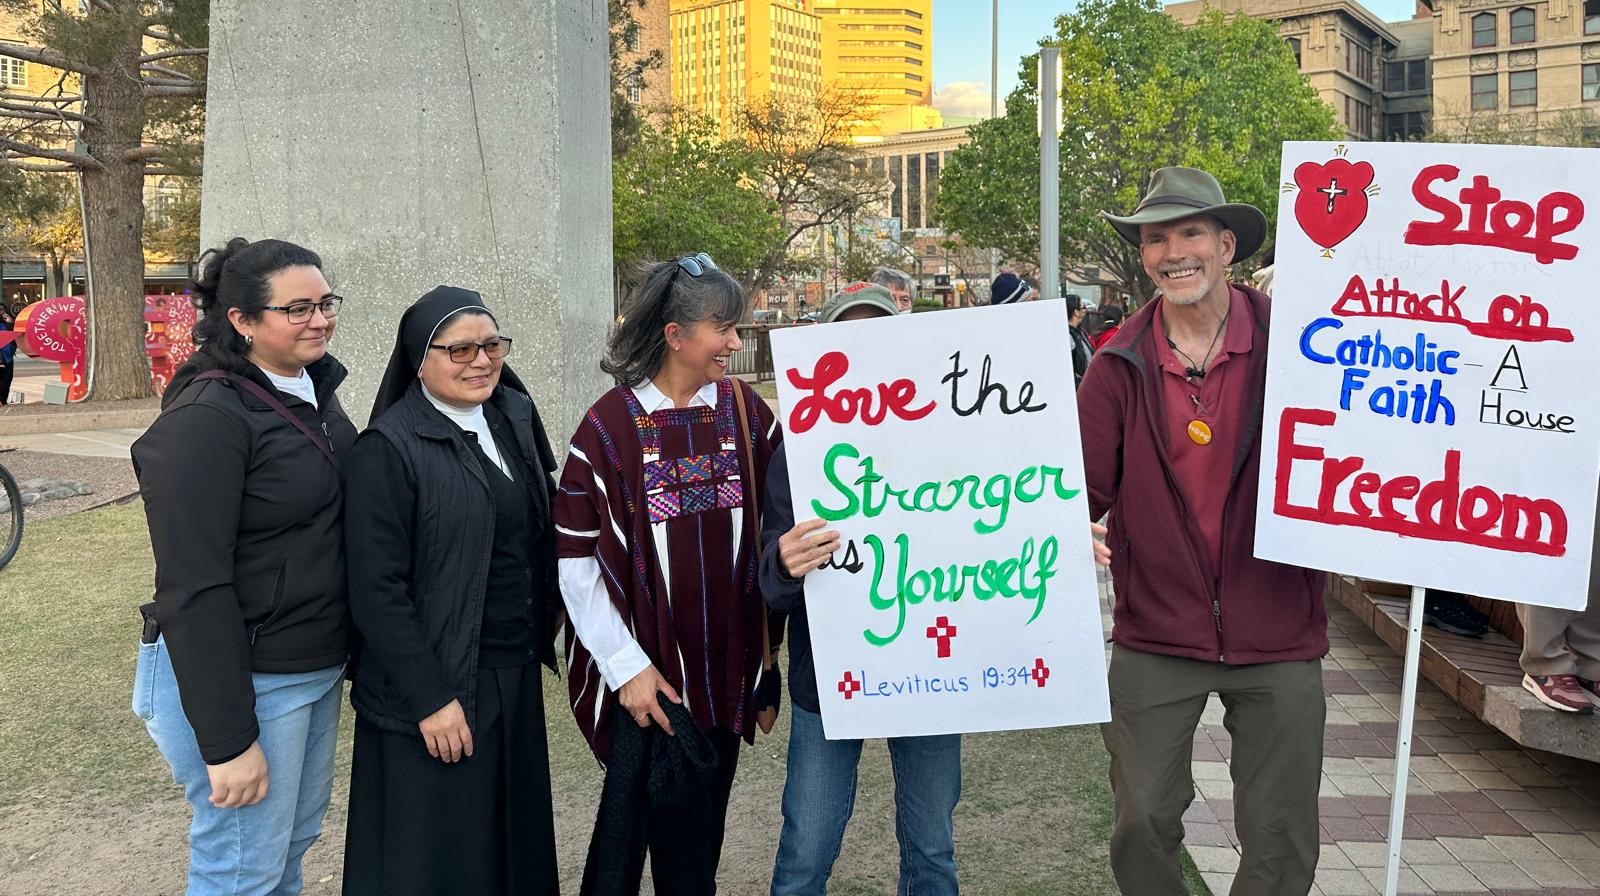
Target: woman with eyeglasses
[(657, 523), (453, 590), (244, 646)]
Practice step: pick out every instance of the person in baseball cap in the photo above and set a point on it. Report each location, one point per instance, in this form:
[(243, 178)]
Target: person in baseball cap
[(861, 300), (821, 778)]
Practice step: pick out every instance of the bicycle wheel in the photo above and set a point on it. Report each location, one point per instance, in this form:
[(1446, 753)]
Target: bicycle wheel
[(10, 519)]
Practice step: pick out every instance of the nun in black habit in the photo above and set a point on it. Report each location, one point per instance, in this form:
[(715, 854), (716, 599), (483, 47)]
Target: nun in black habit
[(452, 579)]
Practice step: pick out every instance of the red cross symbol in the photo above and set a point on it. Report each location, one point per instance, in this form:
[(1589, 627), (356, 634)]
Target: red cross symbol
[(942, 631), (848, 686), (1041, 672)]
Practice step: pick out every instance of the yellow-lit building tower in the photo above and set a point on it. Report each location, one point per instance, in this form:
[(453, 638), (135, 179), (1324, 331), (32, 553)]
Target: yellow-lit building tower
[(882, 51), (727, 53)]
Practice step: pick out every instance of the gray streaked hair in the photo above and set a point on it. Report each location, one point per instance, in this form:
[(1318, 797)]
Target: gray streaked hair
[(638, 346), (890, 278)]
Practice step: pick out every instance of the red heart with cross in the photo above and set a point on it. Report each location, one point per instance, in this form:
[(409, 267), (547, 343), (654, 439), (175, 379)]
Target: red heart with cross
[(1333, 201)]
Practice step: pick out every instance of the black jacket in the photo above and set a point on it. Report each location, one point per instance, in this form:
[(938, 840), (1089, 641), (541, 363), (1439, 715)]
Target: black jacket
[(420, 516), (244, 522), (783, 594)]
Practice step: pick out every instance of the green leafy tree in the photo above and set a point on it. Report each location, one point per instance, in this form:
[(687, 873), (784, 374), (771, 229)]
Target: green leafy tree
[(43, 220), (1139, 92), (123, 107), (680, 190)]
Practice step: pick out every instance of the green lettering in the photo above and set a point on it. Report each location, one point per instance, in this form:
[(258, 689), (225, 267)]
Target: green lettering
[(851, 503), (886, 603), (1023, 478), (997, 492)]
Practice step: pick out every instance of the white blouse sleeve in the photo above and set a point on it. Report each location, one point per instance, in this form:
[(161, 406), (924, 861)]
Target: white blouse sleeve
[(597, 623)]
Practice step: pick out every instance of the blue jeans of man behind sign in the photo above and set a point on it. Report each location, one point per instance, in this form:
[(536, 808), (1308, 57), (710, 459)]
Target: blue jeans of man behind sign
[(254, 850), (820, 794)]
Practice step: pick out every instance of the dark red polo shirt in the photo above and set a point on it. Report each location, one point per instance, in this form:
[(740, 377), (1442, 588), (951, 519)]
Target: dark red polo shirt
[(1221, 401)]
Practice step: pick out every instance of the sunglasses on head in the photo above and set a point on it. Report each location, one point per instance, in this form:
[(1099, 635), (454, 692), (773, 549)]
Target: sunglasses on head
[(696, 264)]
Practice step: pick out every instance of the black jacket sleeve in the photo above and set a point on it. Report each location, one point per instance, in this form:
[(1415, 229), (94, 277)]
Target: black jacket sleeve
[(782, 593), (379, 519), (191, 465)]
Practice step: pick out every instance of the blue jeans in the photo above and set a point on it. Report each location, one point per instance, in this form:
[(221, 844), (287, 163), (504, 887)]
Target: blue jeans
[(252, 850), (820, 794)]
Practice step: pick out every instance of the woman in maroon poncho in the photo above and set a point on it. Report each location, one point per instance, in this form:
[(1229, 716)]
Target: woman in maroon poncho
[(656, 522)]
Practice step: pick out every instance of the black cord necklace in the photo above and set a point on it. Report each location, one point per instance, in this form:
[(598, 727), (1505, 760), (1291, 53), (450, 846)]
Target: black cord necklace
[(1198, 371)]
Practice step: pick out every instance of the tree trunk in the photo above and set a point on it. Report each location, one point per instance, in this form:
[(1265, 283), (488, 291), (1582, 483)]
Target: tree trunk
[(113, 229)]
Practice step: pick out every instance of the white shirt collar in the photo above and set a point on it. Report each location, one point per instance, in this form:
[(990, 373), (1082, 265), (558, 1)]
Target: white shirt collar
[(653, 399)]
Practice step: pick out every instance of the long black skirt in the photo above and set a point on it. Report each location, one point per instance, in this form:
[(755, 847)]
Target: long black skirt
[(420, 827)]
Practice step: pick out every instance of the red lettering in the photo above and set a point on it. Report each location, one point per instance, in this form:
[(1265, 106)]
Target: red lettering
[(845, 404), (1518, 318), (1443, 511), (1492, 221), (1399, 489)]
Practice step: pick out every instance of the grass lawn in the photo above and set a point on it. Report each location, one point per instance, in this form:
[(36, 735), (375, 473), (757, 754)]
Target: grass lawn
[(87, 806)]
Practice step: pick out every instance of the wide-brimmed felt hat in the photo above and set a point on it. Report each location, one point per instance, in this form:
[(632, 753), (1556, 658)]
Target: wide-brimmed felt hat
[(1177, 193)]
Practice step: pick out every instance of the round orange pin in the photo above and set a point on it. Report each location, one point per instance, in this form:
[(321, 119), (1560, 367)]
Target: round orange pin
[(1199, 432)]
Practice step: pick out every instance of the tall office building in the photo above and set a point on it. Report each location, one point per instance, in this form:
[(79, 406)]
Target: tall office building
[(726, 54), (882, 52)]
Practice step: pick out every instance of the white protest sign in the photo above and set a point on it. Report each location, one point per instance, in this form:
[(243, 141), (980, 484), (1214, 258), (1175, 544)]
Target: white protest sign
[(1432, 415), (944, 449)]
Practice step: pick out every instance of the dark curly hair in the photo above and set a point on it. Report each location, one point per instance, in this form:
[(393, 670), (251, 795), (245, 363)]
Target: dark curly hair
[(236, 276)]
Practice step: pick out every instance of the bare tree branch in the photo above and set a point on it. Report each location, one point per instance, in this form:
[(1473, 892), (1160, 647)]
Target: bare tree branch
[(163, 70), (191, 90), (28, 97), (32, 166), (164, 36), (184, 81), (169, 54), (41, 113), (44, 57), (8, 110), (141, 153), (19, 148), (104, 5), (160, 171)]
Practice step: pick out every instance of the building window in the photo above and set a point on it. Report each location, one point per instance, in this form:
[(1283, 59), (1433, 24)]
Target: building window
[(1357, 117), (1358, 60), (1404, 126), (1483, 30), (1591, 17), (13, 72), (633, 39), (1522, 26), (1591, 81), (1525, 88), (1485, 92), (1294, 47), (1405, 75), (635, 89)]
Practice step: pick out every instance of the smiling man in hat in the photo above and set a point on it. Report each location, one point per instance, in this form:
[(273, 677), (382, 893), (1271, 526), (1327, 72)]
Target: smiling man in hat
[(1171, 423)]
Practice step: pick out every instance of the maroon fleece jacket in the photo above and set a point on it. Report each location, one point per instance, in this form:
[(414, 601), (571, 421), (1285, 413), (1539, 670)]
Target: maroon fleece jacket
[(1169, 598)]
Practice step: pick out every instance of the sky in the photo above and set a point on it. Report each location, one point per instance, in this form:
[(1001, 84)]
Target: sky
[(961, 45)]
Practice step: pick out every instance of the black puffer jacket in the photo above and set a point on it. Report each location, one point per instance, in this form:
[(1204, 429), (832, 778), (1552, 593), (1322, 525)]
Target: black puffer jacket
[(420, 564), (244, 521)]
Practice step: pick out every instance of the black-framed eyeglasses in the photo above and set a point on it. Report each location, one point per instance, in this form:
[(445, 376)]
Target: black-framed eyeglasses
[(467, 352), (696, 264), (300, 312)]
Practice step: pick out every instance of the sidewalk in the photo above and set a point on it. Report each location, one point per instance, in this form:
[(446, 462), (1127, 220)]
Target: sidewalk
[(1483, 815)]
